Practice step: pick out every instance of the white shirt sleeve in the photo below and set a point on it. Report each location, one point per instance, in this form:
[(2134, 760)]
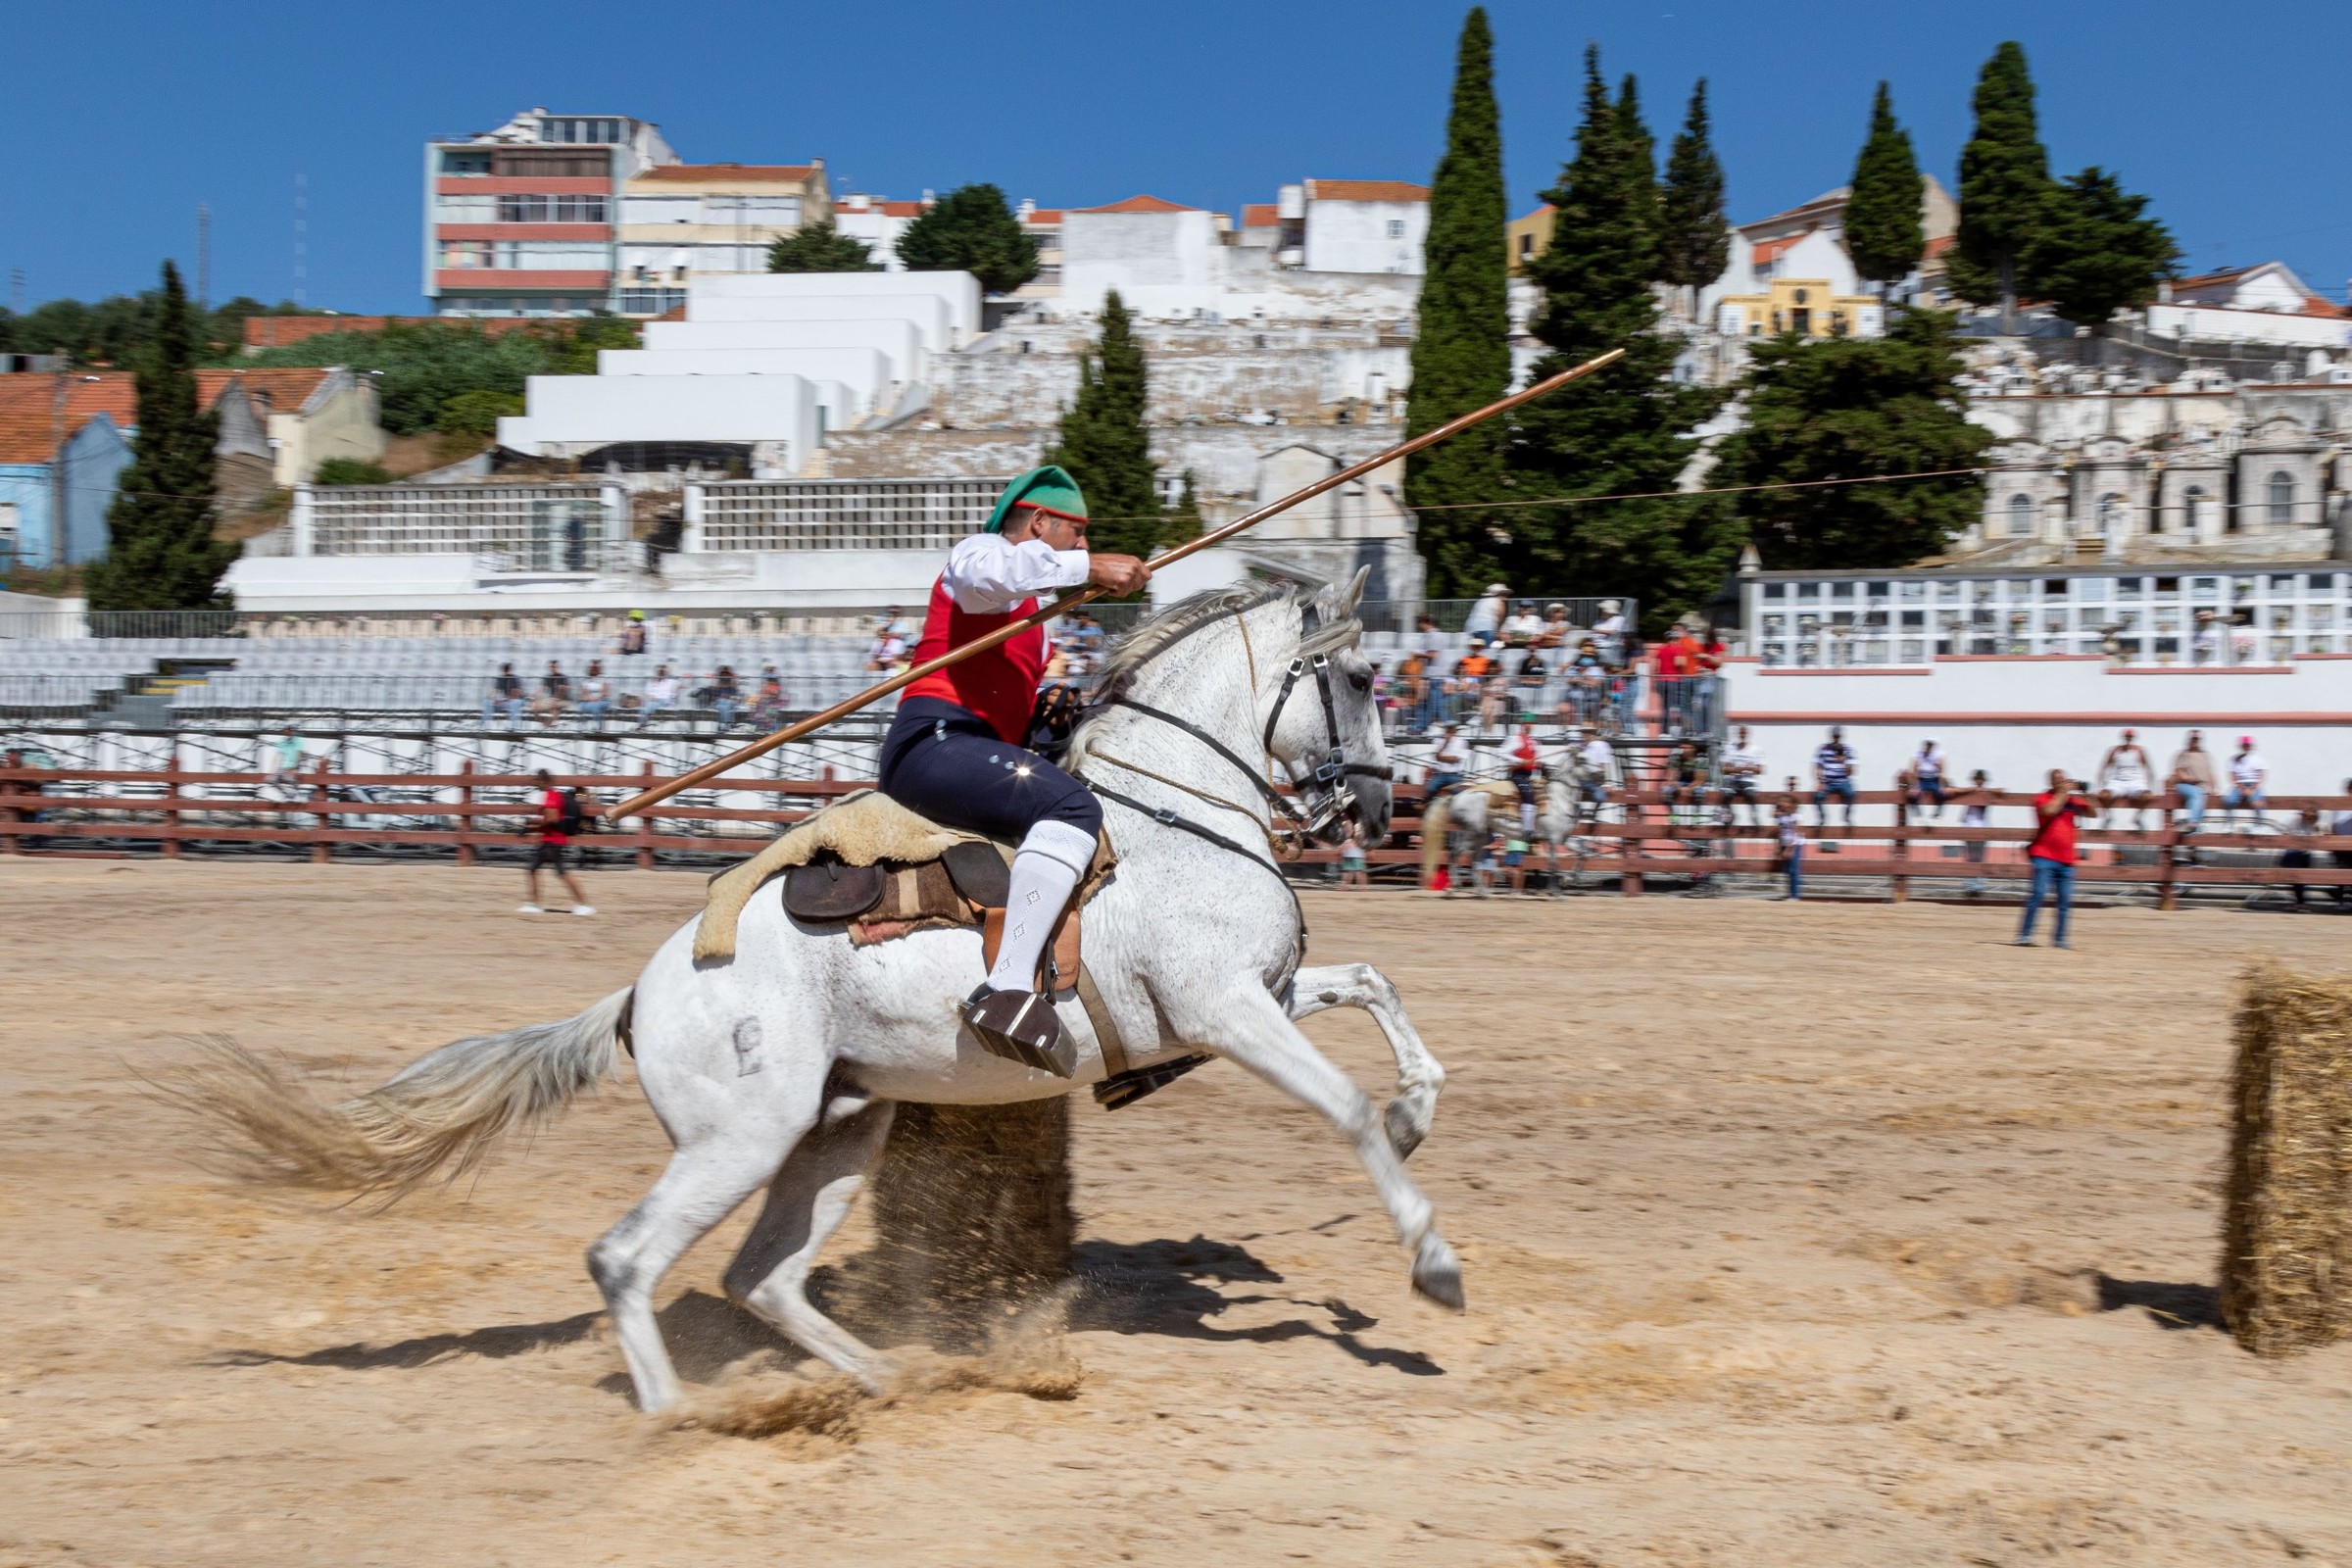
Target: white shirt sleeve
[(986, 575)]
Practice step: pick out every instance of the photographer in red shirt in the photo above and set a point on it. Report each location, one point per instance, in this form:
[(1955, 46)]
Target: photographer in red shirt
[(2052, 855)]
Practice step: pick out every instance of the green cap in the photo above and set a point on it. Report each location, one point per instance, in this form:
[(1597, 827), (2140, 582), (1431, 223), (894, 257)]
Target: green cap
[(1048, 486)]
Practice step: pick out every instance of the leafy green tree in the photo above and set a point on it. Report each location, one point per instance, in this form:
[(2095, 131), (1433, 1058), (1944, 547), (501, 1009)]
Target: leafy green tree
[(820, 248), (1184, 517), (1694, 241), (573, 346), (117, 330), (1104, 443), (477, 412), (1461, 356), (2098, 253), (971, 230), (2004, 188), (351, 471), (1640, 151), (161, 553), (1844, 409), (1626, 428), (1883, 230), (421, 367)]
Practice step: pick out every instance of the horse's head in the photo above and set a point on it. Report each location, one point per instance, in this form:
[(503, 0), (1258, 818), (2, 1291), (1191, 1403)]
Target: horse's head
[(1324, 725)]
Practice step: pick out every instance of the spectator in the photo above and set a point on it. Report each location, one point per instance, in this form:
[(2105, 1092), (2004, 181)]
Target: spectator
[(1446, 759), (1557, 628), (885, 653), (632, 633), (1494, 698), (594, 695), (896, 624), (2340, 826), (285, 768), (1089, 637), (1685, 777), (1834, 774), (724, 695), (1587, 684), (555, 694), (1609, 631), (1922, 779), (505, 697), (1485, 620), (2192, 774), (2052, 857), (1975, 803), (1675, 660), (1470, 672), (562, 815), (1792, 841), (1384, 699), (767, 706), (2305, 827), (1523, 627), (1527, 686), (1413, 679), (1706, 684), (1625, 683), (2248, 773), (2126, 777), (1742, 771), (1515, 859), (1353, 872), (661, 695)]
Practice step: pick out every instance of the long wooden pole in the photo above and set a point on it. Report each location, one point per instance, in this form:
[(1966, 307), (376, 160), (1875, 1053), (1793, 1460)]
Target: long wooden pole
[(1038, 618)]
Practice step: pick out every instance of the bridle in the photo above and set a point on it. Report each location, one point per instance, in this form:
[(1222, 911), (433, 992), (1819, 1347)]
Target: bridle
[(1330, 798)]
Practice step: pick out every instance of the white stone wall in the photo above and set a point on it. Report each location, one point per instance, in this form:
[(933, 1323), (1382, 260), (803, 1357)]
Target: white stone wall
[(1347, 236)]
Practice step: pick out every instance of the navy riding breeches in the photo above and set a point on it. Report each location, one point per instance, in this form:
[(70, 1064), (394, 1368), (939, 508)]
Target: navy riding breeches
[(946, 762)]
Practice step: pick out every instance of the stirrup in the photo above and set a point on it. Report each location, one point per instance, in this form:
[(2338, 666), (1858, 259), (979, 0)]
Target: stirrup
[(1125, 1089), (1020, 1026)]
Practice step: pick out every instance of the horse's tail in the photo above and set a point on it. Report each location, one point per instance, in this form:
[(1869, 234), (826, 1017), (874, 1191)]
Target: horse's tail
[(1432, 838), (441, 1112)]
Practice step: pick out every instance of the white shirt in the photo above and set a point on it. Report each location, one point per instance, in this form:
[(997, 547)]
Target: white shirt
[(1486, 615), (661, 689), (1524, 625), (1598, 755), (1744, 762), (987, 574), (2249, 771)]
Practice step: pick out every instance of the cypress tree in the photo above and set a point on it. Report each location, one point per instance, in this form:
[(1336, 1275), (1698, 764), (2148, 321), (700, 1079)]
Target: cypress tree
[(1640, 152), (2098, 253), (1103, 441), (971, 230), (1882, 232), (820, 248), (161, 553), (2004, 186), (1842, 409), (1695, 240), (1461, 358), (1624, 428)]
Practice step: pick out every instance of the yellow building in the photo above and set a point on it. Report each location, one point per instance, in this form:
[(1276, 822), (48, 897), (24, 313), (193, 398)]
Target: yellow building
[(1530, 238), (1800, 305), (678, 221)]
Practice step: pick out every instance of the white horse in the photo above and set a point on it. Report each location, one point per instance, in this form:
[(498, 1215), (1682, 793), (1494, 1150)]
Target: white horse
[(778, 1069), (1470, 811)]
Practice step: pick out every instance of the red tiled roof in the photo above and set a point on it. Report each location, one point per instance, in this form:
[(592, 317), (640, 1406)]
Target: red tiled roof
[(1365, 190), (1772, 250), (2227, 274), (29, 422), (2314, 305), (1044, 216), (1539, 209), (273, 390), (1940, 245), (694, 174), (1261, 214), (1141, 204)]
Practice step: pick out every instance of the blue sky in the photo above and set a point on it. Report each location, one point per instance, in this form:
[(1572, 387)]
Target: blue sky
[(122, 117)]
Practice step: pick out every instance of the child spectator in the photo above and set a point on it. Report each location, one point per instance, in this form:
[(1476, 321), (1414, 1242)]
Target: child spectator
[(1353, 872), (1976, 804), (1792, 841)]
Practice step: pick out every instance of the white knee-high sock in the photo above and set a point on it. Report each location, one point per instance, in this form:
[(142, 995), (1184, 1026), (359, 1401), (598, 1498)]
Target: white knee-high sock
[(1526, 819), (1046, 870)]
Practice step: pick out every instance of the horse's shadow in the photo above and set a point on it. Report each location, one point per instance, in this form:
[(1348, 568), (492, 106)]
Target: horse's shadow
[(1158, 1287)]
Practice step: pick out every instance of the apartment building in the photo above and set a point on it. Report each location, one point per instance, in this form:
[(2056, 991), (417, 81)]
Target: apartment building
[(683, 220), (524, 219)]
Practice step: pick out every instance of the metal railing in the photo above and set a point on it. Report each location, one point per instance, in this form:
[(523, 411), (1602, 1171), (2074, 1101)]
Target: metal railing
[(837, 513)]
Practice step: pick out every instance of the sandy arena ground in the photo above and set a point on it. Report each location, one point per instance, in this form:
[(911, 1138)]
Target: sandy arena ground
[(1814, 1235)]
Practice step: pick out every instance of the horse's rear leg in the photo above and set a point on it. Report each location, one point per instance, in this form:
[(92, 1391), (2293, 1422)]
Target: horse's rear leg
[(1419, 1077), (807, 1201), (706, 1179), (1249, 1027)]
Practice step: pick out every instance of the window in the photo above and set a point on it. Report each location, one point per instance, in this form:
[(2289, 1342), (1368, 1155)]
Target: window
[(533, 163), (1527, 247), (551, 208), (453, 163), (2282, 510), (1396, 228), (553, 255), (660, 209), (465, 210), (2021, 515), (9, 526), (570, 129), (464, 252), (651, 301)]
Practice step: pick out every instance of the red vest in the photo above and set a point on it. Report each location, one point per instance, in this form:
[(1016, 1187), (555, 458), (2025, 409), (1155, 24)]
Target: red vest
[(1001, 684)]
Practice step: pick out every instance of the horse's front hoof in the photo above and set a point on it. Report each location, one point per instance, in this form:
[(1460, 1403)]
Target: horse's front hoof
[(1438, 1273), (1405, 1131)]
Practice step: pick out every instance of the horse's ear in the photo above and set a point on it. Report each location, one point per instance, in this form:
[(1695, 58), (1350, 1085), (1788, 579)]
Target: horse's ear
[(1356, 589)]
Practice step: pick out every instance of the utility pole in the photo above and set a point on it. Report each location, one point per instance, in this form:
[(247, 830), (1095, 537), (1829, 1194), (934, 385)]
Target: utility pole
[(302, 235), (203, 256), (15, 290)]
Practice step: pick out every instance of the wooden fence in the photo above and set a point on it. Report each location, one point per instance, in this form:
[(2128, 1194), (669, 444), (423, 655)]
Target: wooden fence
[(49, 810)]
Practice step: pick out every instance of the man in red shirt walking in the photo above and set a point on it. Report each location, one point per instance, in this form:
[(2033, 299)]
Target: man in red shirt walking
[(955, 753), (2052, 855)]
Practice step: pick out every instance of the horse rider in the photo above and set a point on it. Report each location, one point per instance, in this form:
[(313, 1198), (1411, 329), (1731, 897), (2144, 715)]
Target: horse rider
[(955, 752)]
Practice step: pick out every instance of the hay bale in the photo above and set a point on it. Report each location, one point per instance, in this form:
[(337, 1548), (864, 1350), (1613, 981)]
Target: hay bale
[(973, 1205), (2286, 1226)]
